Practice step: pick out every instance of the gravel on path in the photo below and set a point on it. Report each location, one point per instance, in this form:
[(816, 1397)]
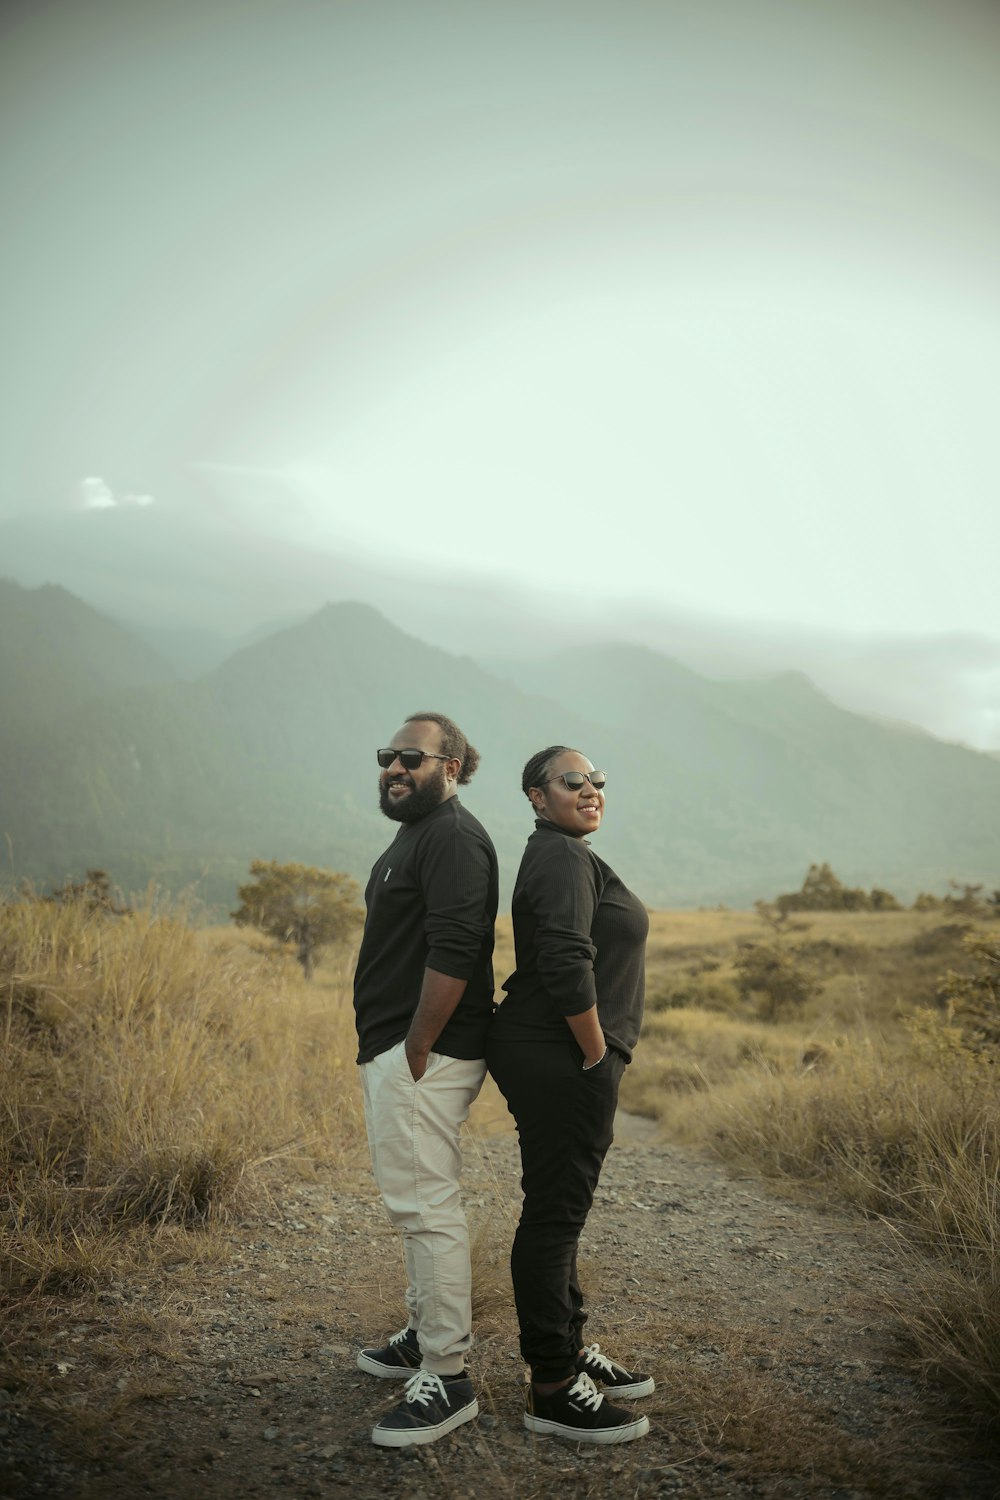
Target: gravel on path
[(765, 1322)]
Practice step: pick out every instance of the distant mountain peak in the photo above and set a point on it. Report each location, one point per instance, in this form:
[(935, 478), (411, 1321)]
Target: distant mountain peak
[(633, 655), (795, 681), (341, 610), (58, 652), (360, 618)]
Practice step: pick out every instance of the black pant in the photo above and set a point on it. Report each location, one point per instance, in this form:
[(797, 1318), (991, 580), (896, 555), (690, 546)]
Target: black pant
[(565, 1122)]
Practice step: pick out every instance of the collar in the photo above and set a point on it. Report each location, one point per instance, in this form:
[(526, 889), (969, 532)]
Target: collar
[(435, 812), (545, 825)]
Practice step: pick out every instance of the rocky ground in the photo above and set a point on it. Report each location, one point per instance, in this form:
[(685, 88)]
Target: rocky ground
[(765, 1322)]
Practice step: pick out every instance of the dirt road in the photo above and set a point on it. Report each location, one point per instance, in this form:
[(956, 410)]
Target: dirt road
[(765, 1323)]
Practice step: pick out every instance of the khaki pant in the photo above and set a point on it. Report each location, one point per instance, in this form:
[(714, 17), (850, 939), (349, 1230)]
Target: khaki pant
[(413, 1136)]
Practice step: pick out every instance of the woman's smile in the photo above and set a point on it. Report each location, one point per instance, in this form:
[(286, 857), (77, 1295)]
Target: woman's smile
[(577, 809)]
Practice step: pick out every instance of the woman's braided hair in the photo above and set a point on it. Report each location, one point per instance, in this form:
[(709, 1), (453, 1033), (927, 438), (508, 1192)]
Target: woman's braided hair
[(453, 743), (534, 771)]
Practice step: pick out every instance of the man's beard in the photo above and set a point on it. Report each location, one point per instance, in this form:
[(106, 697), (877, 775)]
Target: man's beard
[(418, 804)]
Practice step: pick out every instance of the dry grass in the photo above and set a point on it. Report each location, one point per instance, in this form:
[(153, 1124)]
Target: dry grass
[(147, 1072), (151, 1072), (918, 1143), (868, 1091)]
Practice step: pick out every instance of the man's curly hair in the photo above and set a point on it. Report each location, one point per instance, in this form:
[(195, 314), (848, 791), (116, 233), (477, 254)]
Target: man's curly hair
[(453, 743)]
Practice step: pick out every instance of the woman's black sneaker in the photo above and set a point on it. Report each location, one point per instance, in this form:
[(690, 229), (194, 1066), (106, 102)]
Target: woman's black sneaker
[(616, 1380), (579, 1412)]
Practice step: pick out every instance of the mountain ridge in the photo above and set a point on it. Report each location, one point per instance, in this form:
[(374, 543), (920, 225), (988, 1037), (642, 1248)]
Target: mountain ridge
[(201, 569), (717, 792)]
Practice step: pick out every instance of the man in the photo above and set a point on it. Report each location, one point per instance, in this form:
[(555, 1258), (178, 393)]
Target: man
[(423, 996)]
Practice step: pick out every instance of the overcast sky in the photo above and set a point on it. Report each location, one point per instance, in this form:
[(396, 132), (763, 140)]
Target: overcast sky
[(688, 304)]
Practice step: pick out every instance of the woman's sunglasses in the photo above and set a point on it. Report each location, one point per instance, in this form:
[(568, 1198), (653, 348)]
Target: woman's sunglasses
[(408, 759), (573, 780)]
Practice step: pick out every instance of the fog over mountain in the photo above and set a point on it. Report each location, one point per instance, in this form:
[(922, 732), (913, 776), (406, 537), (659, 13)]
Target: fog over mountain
[(669, 324), (195, 568), (718, 791)]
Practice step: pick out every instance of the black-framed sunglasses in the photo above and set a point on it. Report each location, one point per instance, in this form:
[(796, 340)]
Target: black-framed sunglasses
[(573, 780), (408, 759)]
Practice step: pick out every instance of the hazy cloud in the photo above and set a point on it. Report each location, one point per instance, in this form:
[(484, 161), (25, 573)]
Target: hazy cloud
[(948, 684), (515, 320), (95, 493)]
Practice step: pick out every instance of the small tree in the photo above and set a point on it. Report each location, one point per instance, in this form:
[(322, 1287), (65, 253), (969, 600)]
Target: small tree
[(884, 900), (299, 904), (967, 899), (775, 916)]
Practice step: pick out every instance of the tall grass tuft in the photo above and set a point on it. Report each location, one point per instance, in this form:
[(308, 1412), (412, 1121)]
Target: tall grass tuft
[(145, 1075), (911, 1135), (879, 1090)]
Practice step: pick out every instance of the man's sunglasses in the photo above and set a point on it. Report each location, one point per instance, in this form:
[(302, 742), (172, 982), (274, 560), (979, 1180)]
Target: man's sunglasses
[(408, 759), (573, 780)]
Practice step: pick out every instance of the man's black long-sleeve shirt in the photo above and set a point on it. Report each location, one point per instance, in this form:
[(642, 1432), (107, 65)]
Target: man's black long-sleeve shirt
[(432, 902), (579, 940)]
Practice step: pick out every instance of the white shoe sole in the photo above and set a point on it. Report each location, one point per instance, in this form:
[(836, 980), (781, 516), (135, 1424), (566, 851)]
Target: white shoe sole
[(386, 1372), (633, 1392), (626, 1433), (407, 1437)]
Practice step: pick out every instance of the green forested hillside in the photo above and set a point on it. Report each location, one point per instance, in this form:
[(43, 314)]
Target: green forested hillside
[(717, 791), (57, 653), (271, 756), (788, 769)]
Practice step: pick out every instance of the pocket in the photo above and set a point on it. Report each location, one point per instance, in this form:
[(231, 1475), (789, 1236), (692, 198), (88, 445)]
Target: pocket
[(400, 1064), (604, 1078), (597, 1066), (433, 1058)]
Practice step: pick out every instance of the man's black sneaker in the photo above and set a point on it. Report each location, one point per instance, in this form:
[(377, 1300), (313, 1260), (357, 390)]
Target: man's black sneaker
[(396, 1360), (580, 1412), (431, 1406), (616, 1380)]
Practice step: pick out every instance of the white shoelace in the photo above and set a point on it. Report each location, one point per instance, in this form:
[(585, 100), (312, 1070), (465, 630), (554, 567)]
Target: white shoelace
[(423, 1387), (595, 1357), (398, 1338), (584, 1391)]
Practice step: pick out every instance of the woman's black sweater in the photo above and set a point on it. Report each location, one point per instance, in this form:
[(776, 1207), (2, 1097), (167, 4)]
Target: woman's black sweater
[(579, 940)]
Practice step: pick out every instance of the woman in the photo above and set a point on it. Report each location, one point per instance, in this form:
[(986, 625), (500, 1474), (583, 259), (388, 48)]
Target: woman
[(557, 1048)]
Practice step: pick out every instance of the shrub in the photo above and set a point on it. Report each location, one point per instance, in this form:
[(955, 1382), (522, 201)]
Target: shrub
[(823, 891), (880, 900), (968, 902), (769, 972), (941, 939), (96, 893), (700, 989), (973, 998)]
